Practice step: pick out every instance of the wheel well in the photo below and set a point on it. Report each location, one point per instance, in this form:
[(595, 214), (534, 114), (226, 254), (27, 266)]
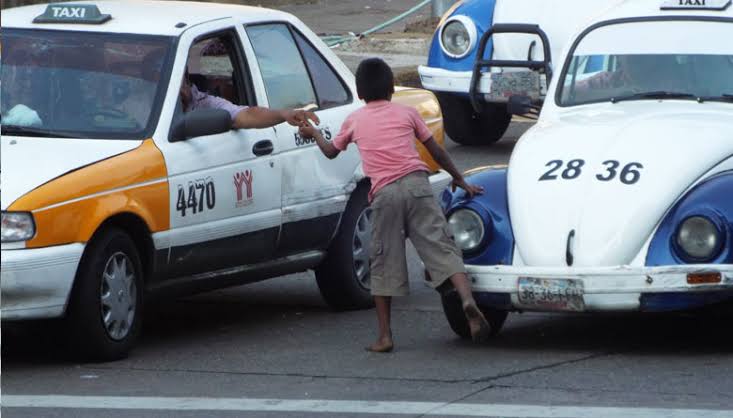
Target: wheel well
[(140, 234), (365, 182)]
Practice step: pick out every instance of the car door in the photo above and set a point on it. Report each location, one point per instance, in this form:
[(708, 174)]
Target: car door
[(225, 188), (314, 189)]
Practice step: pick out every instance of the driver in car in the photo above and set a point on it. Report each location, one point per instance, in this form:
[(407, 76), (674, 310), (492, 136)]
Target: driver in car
[(635, 73)]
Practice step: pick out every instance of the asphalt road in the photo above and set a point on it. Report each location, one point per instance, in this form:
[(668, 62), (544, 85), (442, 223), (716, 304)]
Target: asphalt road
[(273, 349)]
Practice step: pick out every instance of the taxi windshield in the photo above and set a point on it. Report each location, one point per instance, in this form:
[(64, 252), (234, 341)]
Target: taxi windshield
[(82, 84), (684, 60)]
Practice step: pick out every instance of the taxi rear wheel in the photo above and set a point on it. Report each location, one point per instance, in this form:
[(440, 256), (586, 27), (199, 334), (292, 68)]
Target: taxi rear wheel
[(105, 314), (457, 319), (467, 127), (343, 277)]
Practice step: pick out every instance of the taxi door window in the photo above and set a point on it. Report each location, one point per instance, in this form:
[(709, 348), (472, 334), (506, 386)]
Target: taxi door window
[(330, 89), (212, 68), (286, 77)]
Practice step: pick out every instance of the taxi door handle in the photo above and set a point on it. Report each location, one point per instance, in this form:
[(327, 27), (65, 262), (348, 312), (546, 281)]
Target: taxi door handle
[(263, 147)]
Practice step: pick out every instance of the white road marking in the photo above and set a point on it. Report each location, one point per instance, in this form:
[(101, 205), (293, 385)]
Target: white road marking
[(344, 407)]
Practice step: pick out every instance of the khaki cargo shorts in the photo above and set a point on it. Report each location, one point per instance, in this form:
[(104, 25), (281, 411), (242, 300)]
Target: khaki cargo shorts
[(404, 209)]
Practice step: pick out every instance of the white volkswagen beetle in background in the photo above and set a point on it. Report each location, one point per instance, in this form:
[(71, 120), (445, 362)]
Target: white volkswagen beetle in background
[(620, 198)]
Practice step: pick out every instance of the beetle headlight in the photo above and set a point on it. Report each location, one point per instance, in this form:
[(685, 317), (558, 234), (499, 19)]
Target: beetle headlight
[(698, 238), (17, 226), (467, 229), (458, 36)]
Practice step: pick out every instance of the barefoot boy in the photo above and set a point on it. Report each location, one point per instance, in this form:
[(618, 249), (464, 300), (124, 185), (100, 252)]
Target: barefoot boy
[(401, 197)]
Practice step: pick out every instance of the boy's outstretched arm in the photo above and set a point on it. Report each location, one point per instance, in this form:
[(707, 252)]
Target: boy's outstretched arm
[(262, 117), (443, 159), (326, 147)]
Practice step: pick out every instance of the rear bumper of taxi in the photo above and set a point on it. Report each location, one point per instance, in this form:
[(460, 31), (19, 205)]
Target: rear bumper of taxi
[(439, 181), (36, 283), (621, 288)]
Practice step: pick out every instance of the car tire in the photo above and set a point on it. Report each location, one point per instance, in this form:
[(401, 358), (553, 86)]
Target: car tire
[(343, 277), (466, 127), (457, 319), (103, 327)]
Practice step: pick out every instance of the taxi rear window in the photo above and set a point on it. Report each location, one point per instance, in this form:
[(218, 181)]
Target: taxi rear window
[(83, 84)]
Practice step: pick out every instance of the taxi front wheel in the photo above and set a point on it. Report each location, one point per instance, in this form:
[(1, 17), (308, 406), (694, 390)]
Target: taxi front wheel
[(343, 277), (457, 319), (105, 313)]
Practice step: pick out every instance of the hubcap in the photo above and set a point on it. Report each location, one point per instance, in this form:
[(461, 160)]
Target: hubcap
[(361, 245), (118, 296)]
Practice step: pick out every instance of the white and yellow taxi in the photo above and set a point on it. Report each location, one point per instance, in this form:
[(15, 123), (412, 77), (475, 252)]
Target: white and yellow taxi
[(110, 192)]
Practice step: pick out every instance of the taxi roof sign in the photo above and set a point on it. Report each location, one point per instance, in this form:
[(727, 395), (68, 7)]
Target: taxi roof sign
[(718, 5), (72, 13)]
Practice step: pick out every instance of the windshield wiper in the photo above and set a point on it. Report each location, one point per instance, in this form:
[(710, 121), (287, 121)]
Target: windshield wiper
[(654, 95), (726, 97), (35, 132)]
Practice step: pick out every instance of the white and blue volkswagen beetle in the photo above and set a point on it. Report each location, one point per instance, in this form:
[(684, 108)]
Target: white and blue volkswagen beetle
[(456, 52), (620, 198)]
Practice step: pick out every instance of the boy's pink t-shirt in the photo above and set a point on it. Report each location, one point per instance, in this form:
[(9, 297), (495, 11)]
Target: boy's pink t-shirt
[(385, 134)]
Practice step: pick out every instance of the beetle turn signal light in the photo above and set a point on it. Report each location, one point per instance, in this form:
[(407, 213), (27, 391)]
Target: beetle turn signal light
[(703, 278)]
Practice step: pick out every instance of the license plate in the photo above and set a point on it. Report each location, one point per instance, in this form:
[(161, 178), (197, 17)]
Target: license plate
[(551, 294)]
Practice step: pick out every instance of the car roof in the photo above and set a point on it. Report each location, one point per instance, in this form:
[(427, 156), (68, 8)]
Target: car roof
[(653, 8), (145, 17)]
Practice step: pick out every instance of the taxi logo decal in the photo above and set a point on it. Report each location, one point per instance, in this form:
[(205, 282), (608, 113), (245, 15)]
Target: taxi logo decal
[(696, 5), (79, 12), (242, 180), (72, 13)]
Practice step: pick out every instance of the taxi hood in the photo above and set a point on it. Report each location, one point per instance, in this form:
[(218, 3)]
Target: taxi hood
[(27, 163), (588, 188)]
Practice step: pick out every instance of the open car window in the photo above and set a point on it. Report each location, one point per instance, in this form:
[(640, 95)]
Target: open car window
[(211, 67), (84, 84)]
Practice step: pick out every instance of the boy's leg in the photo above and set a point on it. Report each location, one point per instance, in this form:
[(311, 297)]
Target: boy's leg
[(480, 330), (384, 343), (428, 231), (388, 259)]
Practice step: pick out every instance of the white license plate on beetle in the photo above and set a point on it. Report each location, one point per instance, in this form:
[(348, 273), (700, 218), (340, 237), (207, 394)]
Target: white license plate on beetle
[(551, 294)]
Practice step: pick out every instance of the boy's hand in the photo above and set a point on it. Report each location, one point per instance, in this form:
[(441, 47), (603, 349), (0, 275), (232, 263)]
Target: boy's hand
[(307, 131), (300, 117), (471, 190)]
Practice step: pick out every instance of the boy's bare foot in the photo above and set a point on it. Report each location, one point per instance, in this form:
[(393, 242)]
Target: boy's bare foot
[(383, 345), (480, 330)]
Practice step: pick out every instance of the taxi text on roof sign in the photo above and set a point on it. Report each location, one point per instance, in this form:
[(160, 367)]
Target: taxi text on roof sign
[(696, 4), (72, 13)]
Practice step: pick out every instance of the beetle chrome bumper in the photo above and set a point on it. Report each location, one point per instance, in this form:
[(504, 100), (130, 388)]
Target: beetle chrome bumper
[(36, 283), (620, 288), (438, 79)]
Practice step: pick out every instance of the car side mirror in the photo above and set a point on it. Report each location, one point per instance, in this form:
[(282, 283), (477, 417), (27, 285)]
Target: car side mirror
[(200, 122), (519, 105)]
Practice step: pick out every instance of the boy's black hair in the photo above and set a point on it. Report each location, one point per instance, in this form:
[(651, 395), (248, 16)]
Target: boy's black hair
[(374, 80)]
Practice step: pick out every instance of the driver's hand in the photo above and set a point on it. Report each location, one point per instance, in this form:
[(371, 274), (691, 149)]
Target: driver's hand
[(300, 117)]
